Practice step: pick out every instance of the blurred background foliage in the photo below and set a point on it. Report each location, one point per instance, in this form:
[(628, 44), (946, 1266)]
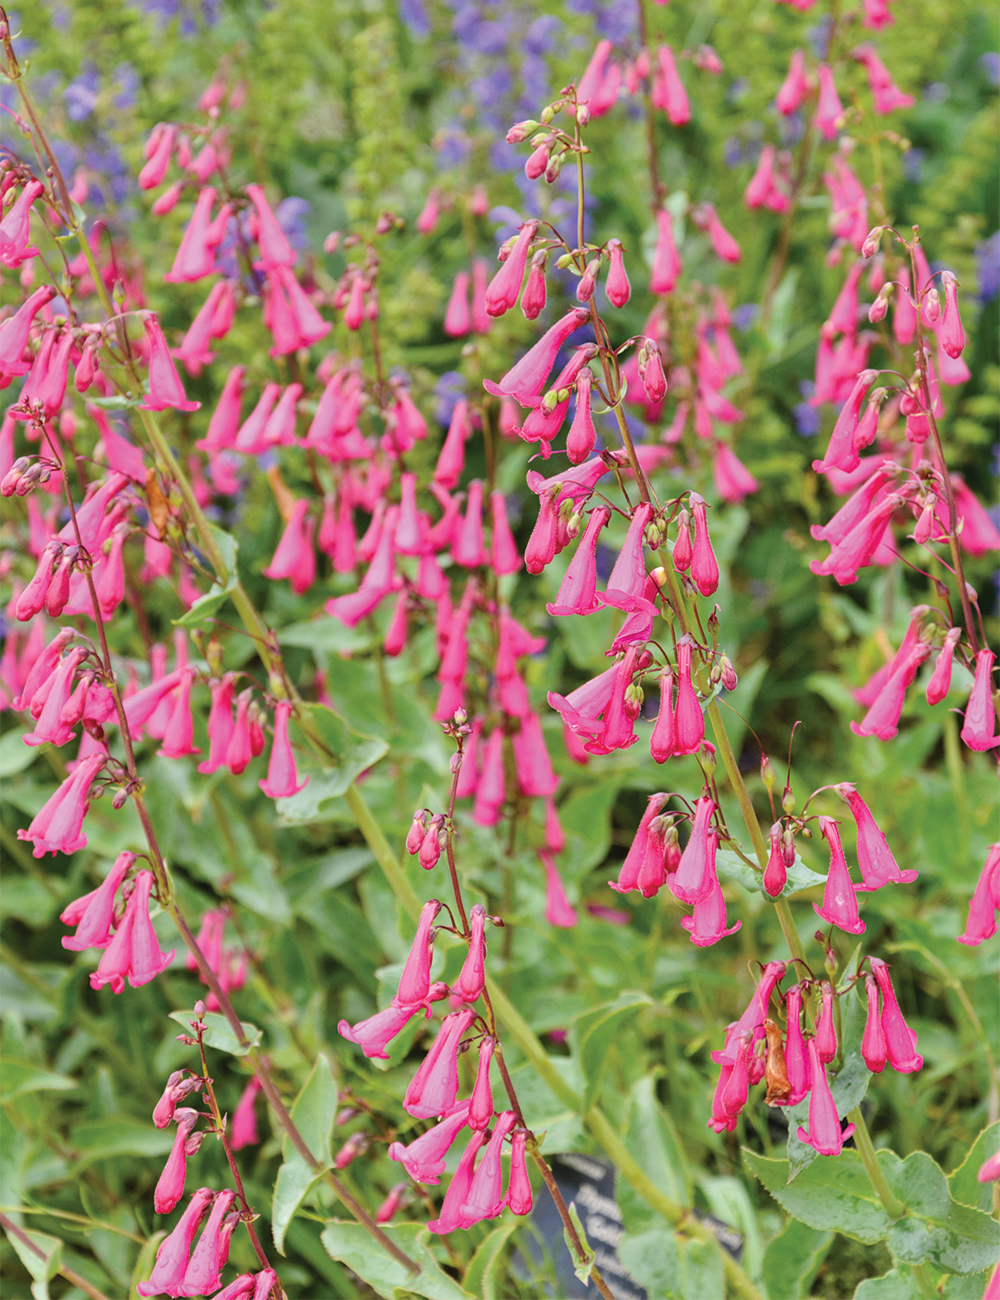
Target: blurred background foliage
[(357, 107)]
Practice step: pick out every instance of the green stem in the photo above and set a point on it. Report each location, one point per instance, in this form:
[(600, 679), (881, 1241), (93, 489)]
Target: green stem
[(866, 1150), (737, 782)]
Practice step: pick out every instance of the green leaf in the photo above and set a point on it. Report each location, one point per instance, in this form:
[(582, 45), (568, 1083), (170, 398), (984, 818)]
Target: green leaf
[(595, 1032), (294, 1180), (18, 1077), (353, 1246), (15, 755), (42, 1270), (729, 1201), (848, 1087), (953, 1237), (672, 1267), (731, 867), (482, 1277), (653, 1141), (833, 1192), (144, 1263), (218, 1033), (581, 1267), (328, 634), (217, 595), (100, 1139), (792, 1259), (897, 1284), (348, 754), (964, 1183)]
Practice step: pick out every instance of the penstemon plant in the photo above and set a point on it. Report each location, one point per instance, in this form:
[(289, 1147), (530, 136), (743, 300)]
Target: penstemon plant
[(420, 578)]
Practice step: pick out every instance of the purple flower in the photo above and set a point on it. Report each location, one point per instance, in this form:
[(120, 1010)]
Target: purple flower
[(126, 82), (617, 22), (819, 36), (540, 35), (414, 17), (807, 418), (448, 390), (732, 151), (936, 92), (736, 90), (990, 64), (913, 165), (988, 267), (291, 213), (81, 95), (453, 147), (745, 316)]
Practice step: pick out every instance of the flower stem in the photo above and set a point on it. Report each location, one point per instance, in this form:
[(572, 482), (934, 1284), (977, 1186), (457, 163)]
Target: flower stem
[(69, 1274), (866, 1150)]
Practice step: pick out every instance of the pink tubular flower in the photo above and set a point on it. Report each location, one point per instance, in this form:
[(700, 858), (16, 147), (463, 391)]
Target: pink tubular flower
[(415, 981), (173, 1252), (434, 1087), (485, 1197), (900, 1039), (15, 332), (15, 228), (824, 1123), (220, 723), (423, 1159), (950, 333), (979, 534), (179, 737), (628, 876), (558, 911), (490, 790), (842, 453), (984, 904), (882, 718), (153, 172), (829, 109), (617, 286), (873, 1046), (134, 951), (668, 89), (797, 1062), (373, 1034), (504, 554), (526, 379), (689, 721), (666, 260), (170, 1187), (531, 759), (979, 728), (275, 250), (481, 1104), (704, 566), (856, 550), (582, 435), (472, 977), (628, 577), (456, 318), (282, 779), (840, 905), (294, 557), (467, 548), (452, 1215), (723, 243), (519, 1184), (92, 914), (388, 1208), (826, 1032), (195, 256), (503, 289), (707, 924), (940, 680), (451, 461), (577, 592), (533, 298), (696, 873), (56, 828), (165, 387), (733, 481), (212, 1251), (795, 87), (243, 1125), (776, 871), (878, 866)]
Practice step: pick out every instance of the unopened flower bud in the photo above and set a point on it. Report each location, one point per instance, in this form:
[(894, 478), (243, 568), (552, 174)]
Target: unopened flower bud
[(352, 1148), (520, 131), (583, 114), (550, 401), (455, 763), (728, 674), (788, 800), (932, 306), (880, 306), (418, 828), (120, 799), (869, 247), (708, 757), (548, 113), (10, 480), (564, 261), (574, 523), (767, 774), (199, 1008), (588, 281), (193, 1145)]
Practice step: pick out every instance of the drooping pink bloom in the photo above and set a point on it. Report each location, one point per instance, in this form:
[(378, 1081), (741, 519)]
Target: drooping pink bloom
[(481, 1103), (689, 721), (519, 1184), (504, 555), (593, 75), (882, 718), (429, 213), (534, 296), (666, 260), (951, 335), (211, 1253), (178, 739), (282, 779), (531, 759), (695, 874), (134, 951), (733, 481), (415, 980), (826, 1032), (295, 557), (451, 461), (842, 453), (558, 911), (856, 550), (170, 1187), (456, 318), (873, 1045), (15, 228), (195, 257), (51, 727), (490, 788), (985, 902), (707, 924), (225, 421), (668, 90), (15, 332), (56, 827), (719, 1120), (797, 1062), (387, 1210), (824, 1133), (795, 87), (776, 871), (737, 1086), (467, 548), (829, 109), (243, 1124), (502, 291), (877, 14), (628, 577), (577, 592), (220, 723), (940, 680), (723, 243), (878, 866), (900, 1039), (153, 172), (980, 725), (979, 534), (173, 1252), (165, 387), (452, 1215), (92, 914), (472, 977), (886, 93), (373, 1034), (628, 876), (485, 1197), (840, 905), (275, 250), (704, 566), (617, 286), (525, 381), (423, 1158), (434, 1087)]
